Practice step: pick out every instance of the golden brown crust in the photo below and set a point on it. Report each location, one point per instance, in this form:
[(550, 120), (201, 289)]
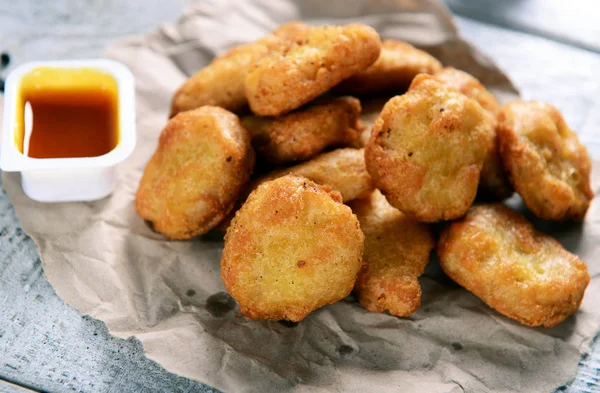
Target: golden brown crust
[(285, 81), (397, 65), (520, 272), (306, 132), (471, 87), (547, 164), (396, 252), (427, 148), (293, 247), (493, 183), (221, 83), (202, 161), (342, 169), (295, 32)]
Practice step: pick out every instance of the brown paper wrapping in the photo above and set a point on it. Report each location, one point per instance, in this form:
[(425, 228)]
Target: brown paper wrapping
[(105, 261)]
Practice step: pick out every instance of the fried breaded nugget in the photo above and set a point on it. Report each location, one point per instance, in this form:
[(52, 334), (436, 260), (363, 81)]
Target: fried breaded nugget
[(282, 82), (305, 133), (471, 87), (494, 179), (396, 253), (221, 83), (293, 247), (547, 164), (494, 183), (204, 158), (293, 31), (520, 272), (342, 169), (427, 148), (397, 65)]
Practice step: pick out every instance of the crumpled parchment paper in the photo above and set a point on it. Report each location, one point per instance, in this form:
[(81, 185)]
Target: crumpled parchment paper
[(105, 261)]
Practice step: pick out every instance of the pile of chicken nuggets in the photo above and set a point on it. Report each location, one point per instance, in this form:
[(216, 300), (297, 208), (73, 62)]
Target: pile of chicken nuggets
[(267, 144)]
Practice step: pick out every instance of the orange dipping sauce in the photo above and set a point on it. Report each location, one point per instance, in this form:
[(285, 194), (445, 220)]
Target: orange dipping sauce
[(75, 112)]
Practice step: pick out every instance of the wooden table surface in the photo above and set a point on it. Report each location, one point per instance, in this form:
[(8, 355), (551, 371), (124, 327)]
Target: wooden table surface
[(551, 49)]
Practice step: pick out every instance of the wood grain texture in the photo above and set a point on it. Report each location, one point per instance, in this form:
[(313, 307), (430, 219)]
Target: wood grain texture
[(7, 387), (46, 345), (573, 22)]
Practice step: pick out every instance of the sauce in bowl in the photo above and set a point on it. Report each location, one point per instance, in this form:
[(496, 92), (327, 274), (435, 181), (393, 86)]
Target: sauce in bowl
[(75, 112)]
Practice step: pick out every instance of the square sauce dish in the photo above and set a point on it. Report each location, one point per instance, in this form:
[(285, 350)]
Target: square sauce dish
[(67, 124)]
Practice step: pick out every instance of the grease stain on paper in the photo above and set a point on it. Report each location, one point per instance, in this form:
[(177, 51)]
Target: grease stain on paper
[(457, 346), (345, 349), (288, 324), (219, 304)]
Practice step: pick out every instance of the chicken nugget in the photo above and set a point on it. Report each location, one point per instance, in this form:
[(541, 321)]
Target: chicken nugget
[(396, 252), (494, 182), (293, 31), (518, 271), (287, 80), (221, 83), (293, 247), (204, 158), (306, 132), (471, 87), (427, 148), (397, 65), (547, 164), (342, 169)]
